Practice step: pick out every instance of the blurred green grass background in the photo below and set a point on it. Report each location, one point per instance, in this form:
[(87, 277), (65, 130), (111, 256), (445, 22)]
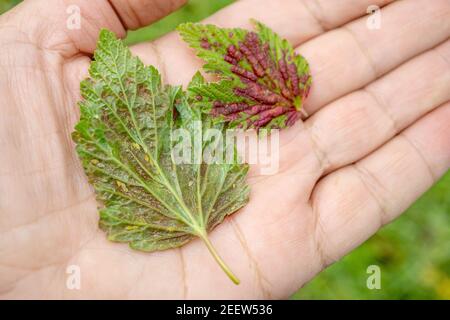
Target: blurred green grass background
[(413, 252)]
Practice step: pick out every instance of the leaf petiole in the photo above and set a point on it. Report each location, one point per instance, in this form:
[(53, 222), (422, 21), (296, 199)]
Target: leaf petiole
[(218, 259)]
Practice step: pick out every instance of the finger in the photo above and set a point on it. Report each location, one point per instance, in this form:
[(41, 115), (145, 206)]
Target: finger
[(355, 125), (73, 27), (354, 202), (349, 58), (295, 20), (135, 14)]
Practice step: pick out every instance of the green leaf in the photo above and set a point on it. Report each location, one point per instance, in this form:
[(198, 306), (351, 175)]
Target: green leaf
[(263, 82), (125, 139)]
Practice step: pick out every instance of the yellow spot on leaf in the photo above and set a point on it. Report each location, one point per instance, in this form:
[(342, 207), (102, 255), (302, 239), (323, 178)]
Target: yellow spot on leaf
[(136, 146), (122, 186)]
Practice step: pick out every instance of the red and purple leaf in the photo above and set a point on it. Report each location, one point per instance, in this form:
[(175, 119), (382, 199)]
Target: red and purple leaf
[(263, 82)]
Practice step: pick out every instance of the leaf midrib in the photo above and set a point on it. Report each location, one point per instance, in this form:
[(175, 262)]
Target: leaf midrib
[(190, 221)]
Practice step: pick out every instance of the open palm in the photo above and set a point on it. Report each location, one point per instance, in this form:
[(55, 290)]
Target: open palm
[(377, 137)]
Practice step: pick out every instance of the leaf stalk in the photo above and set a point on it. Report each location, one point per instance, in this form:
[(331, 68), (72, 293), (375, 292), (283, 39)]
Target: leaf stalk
[(218, 259)]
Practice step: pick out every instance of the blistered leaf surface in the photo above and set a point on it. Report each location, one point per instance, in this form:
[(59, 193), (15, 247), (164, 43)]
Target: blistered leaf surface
[(263, 82), (124, 140)]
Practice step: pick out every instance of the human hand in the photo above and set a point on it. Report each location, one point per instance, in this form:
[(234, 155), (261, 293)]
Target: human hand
[(377, 137)]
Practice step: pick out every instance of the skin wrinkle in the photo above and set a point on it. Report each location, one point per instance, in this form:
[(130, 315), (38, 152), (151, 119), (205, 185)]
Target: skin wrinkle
[(321, 156), (255, 179), (14, 283), (46, 31), (27, 270), (94, 232), (52, 94), (67, 124), (318, 234), (116, 248), (26, 67), (122, 21), (78, 202), (135, 15), (58, 279), (67, 143), (6, 289), (122, 31), (46, 54), (159, 60), (131, 20), (29, 275), (384, 108), (368, 180), (420, 154), (364, 51), (294, 170), (316, 14), (260, 279), (37, 171), (48, 213), (61, 47), (72, 88), (440, 54), (159, 8), (183, 273), (139, 277)]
